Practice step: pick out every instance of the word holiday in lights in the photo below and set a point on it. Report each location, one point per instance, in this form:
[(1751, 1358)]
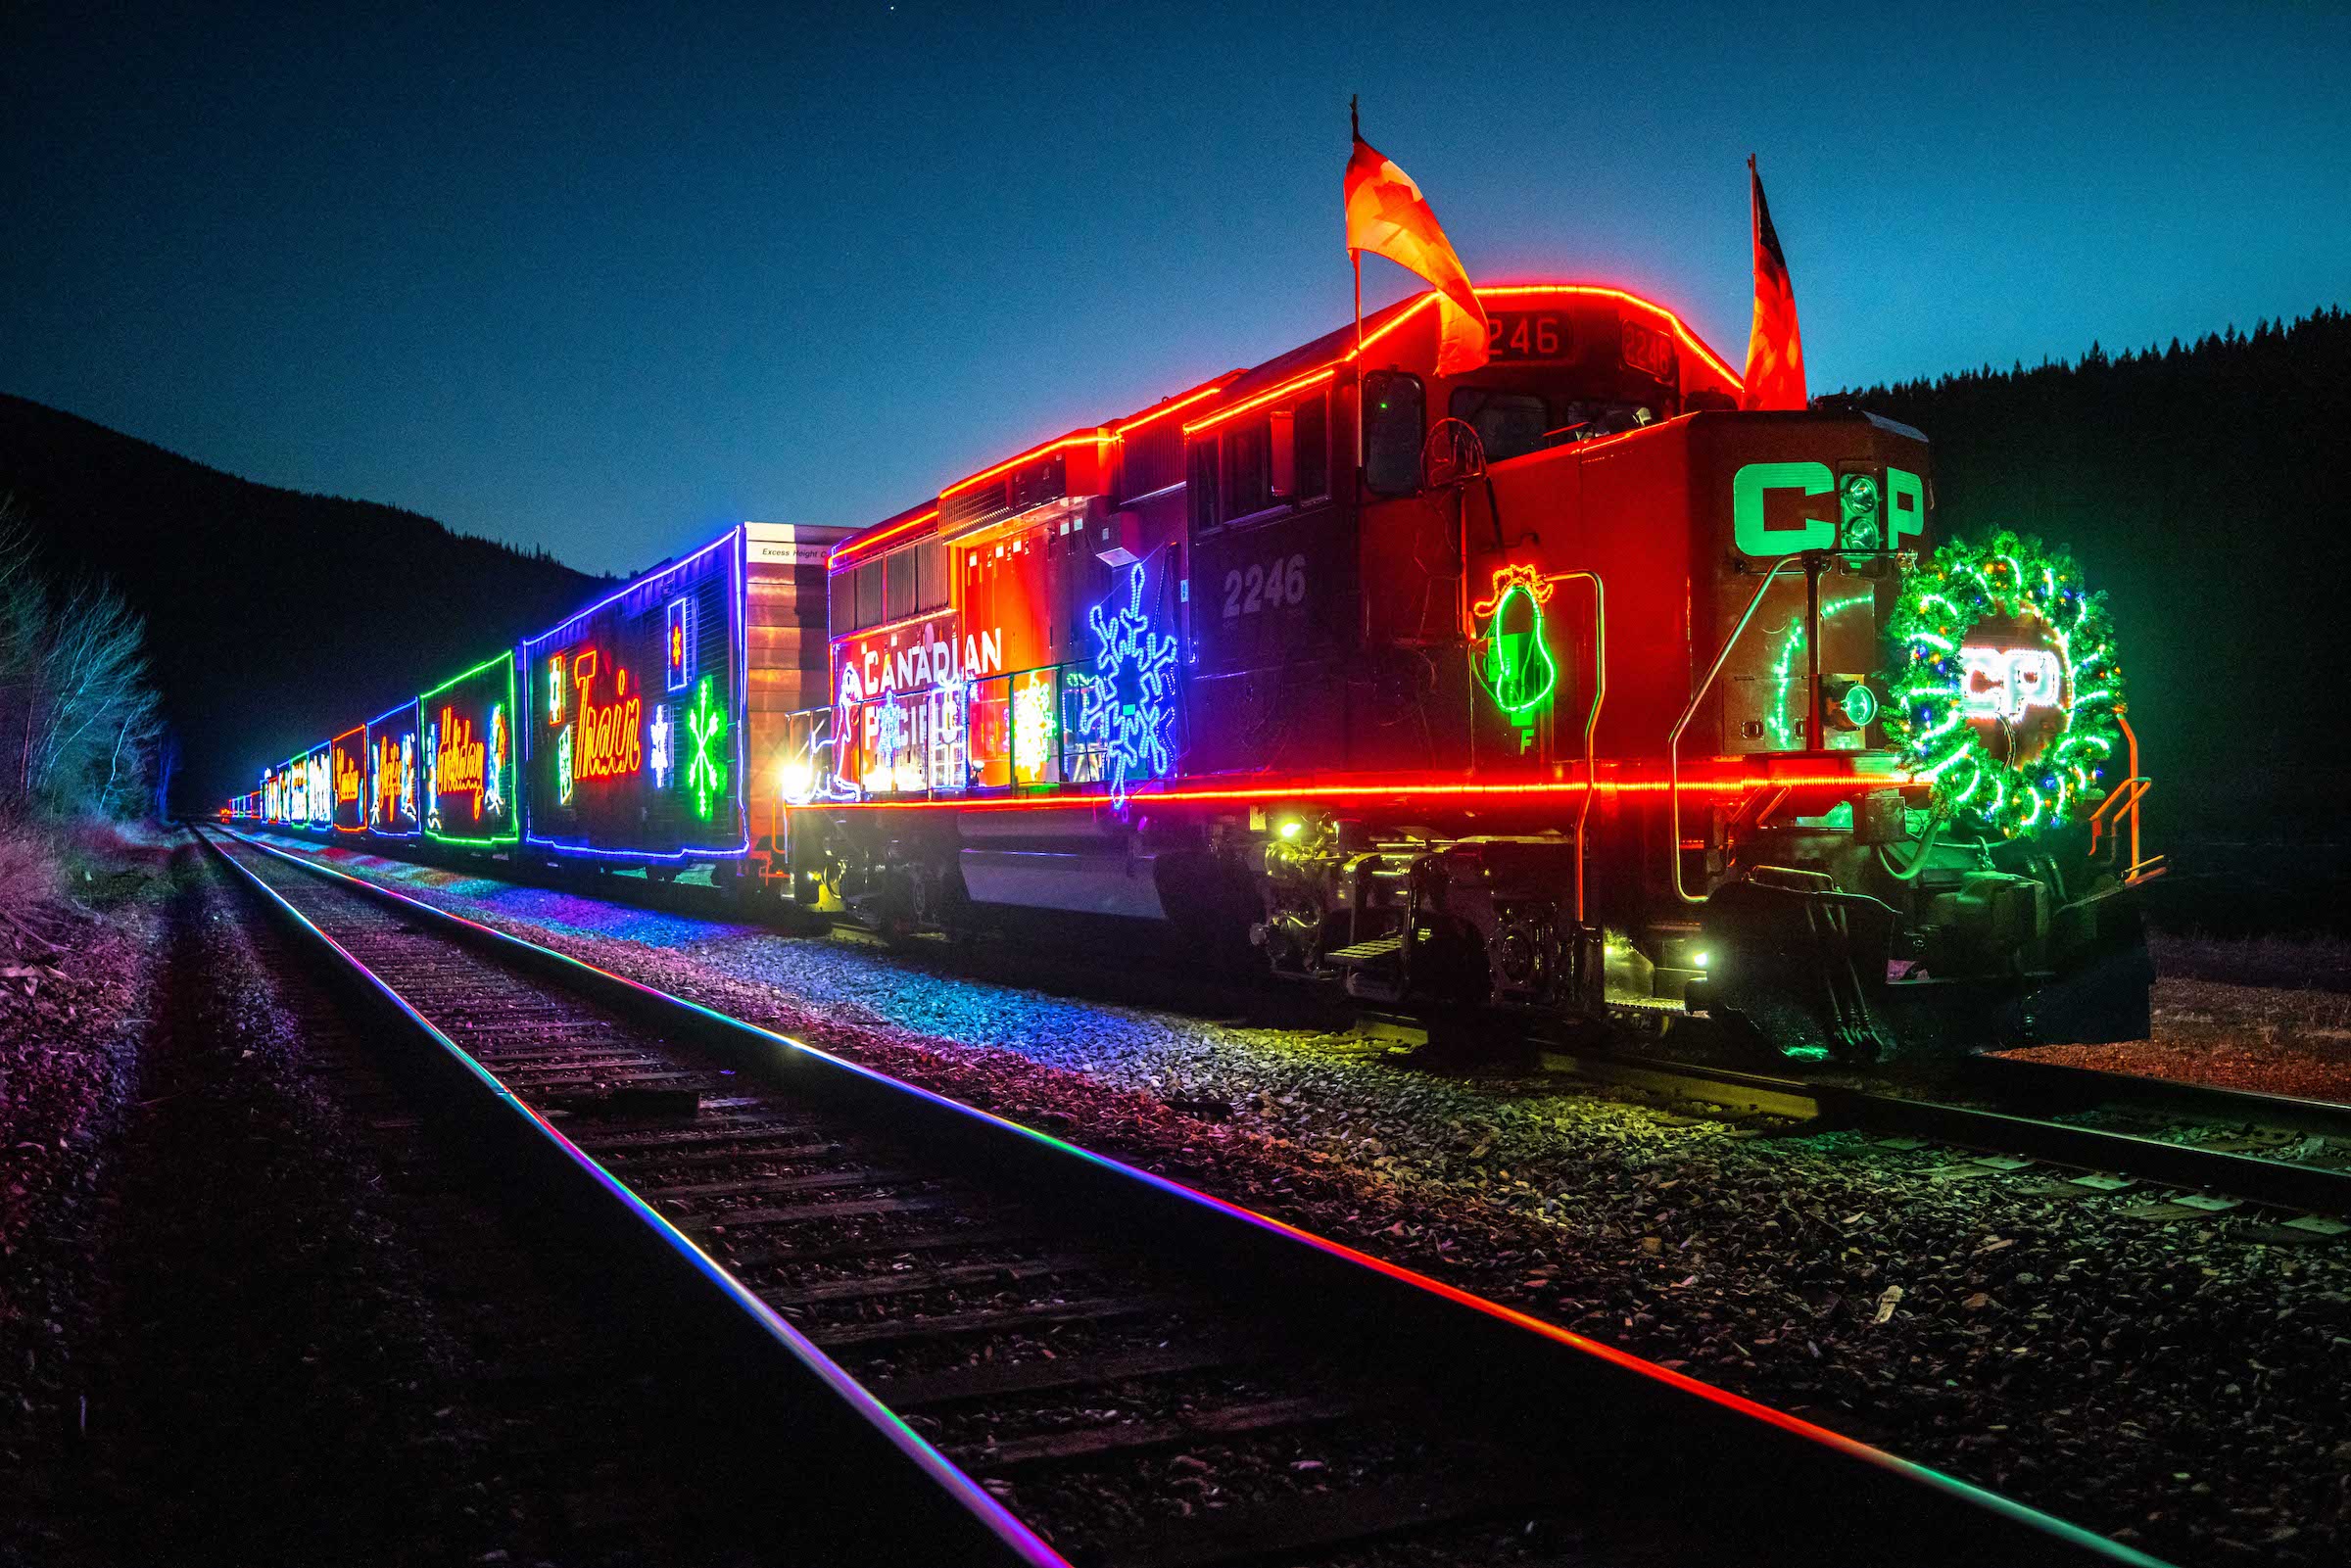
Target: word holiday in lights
[(458, 760)]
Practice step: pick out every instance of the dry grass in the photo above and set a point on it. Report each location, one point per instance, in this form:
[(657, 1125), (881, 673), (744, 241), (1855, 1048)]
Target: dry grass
[(32, 872), (2293, 963)]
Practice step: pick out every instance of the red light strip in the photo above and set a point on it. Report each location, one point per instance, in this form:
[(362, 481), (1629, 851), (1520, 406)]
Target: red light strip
[(855, 548), (1153, 415), (865, 542), (1681, 329), (1377, 792), (1310, 378), (1499, 289), (1097, 439)]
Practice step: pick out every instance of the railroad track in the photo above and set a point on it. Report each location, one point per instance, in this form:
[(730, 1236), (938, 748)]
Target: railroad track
[(2217, 1148), (967, 1342)]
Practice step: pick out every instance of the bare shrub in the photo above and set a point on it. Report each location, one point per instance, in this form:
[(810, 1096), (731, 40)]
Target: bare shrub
[(81, 724)]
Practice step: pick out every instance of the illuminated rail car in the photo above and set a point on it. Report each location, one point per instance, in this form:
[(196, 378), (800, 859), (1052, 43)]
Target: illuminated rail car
[(659, 723), (1562, 693)]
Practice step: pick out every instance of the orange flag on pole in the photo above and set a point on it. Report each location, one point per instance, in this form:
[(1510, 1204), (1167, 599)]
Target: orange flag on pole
[(1387, 215), (1775, 352)]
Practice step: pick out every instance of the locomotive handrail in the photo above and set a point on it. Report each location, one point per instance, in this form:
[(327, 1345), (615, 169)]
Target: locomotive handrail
[(1600, 694), (1673, 737)]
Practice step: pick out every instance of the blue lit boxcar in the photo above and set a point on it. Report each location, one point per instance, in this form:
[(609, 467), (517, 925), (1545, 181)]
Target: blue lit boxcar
[(465, 738), (392, 769), (655, 722), (1570, 692)]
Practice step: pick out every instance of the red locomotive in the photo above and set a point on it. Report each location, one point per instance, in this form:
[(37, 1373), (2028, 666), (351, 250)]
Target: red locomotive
[(1559, 687)]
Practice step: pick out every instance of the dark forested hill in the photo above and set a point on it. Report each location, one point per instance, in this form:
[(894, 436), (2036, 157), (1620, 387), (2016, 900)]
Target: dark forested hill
[(2204, 487), (274, 617)]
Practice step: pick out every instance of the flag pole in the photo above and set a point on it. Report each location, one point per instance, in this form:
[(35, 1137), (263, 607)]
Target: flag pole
[(1355, 134)]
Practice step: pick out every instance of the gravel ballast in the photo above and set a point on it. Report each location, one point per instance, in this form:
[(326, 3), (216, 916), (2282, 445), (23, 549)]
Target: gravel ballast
[(2179, 1384)]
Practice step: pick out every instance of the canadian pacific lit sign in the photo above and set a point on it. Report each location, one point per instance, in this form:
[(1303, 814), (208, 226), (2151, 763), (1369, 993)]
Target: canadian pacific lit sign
[(929, 658)]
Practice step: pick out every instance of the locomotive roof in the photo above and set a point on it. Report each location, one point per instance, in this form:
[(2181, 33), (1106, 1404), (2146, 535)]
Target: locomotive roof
[(1223, 397)]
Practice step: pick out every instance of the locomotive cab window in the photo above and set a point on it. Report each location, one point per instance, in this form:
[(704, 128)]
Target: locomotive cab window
[(1310, 449), (1509, 424), (1394, 408), (1200, 485), (1248, 468)]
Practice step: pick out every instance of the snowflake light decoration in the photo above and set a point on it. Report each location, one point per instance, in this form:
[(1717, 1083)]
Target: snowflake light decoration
[(1130, 707)]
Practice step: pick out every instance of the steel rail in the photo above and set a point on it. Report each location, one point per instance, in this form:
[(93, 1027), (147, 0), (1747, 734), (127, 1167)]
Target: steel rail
[(2052, 1090), (1571, 1399), (2071, 1088), (921, 1507)]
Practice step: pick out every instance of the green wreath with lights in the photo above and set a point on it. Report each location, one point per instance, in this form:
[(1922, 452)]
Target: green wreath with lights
[(1944, 689)]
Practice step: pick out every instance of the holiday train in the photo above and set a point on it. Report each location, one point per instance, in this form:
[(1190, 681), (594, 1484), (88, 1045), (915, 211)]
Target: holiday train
[(1560, 688)]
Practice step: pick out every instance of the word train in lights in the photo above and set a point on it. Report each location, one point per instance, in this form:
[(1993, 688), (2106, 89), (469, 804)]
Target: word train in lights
[(610, 742), (1130, 708)]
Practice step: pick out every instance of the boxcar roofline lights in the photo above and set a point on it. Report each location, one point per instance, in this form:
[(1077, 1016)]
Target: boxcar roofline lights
[(625, 589)]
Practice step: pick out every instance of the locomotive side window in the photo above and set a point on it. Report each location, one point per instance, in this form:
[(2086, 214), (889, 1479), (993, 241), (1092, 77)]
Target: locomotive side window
[(897, 583), (840, 600), (1509, 424), (1310, 444), (1394, 408), (930, 574), (869, 593), (1248, 468), (1200, 485)]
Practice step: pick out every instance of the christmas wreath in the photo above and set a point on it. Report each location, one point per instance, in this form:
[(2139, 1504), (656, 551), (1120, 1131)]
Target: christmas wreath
[(2005, 687)]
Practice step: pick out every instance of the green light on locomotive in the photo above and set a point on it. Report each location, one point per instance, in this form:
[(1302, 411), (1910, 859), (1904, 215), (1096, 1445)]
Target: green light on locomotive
[(1860, 705)]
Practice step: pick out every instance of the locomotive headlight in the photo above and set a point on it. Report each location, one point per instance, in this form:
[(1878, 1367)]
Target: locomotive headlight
[(1851, 701), (1859, 495)]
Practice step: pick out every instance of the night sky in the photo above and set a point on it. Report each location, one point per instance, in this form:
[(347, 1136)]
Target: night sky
[(608, 284)]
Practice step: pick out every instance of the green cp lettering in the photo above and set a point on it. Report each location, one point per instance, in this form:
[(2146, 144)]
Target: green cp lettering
[(1751, 529)]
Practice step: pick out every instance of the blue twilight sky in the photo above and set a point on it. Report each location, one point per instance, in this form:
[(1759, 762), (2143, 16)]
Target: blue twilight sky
[(604, 280)]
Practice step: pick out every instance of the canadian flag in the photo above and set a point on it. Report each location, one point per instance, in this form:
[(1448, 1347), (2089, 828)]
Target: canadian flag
[(1775, 353), (1387, 215)]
